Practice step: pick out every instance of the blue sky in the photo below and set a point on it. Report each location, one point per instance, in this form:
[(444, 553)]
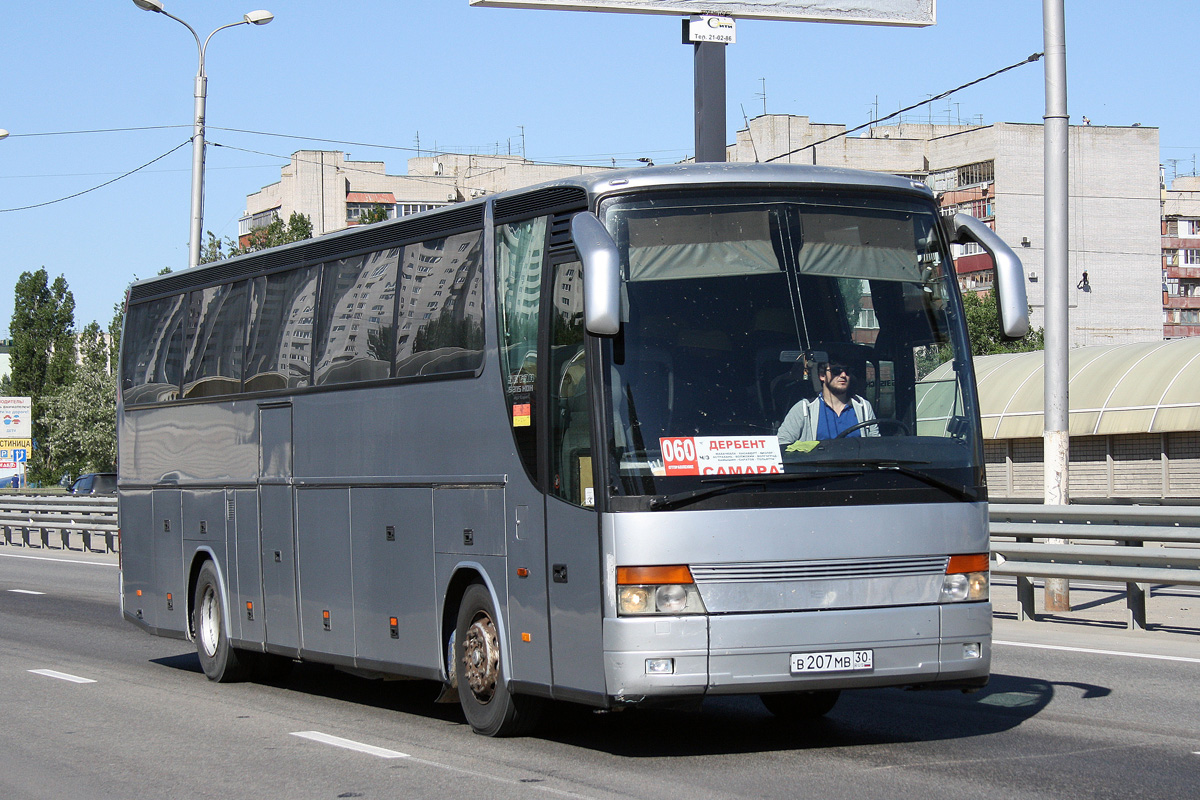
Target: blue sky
[(579, 88)]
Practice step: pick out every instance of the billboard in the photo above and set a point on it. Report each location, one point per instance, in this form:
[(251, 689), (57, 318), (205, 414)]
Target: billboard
[(863, 12), (16, 418)]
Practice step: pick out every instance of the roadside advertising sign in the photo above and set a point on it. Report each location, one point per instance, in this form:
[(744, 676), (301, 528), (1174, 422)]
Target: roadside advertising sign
[(16, 418), (863, 12)]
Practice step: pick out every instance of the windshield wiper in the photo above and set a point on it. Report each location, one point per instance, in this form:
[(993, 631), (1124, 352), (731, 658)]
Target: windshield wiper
[(669, 501), (902, 466)]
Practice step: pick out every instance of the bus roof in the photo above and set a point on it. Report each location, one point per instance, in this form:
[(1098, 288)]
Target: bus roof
[(470, 214)]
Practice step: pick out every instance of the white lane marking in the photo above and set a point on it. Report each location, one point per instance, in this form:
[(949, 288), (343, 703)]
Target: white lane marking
[(24, 591), (62, 676), (349, 744), (1092, 651), (58, 560)]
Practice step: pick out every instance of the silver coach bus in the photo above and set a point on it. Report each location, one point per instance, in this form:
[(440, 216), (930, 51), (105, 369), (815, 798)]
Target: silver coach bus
[(530, 446)]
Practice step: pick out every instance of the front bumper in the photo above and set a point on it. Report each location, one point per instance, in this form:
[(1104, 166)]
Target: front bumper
[(749, 653)]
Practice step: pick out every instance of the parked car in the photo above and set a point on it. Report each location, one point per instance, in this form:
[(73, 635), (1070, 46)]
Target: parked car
[(95, 483)]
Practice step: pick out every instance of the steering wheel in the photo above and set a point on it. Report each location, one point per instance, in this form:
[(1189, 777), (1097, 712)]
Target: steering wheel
[(877, 421)]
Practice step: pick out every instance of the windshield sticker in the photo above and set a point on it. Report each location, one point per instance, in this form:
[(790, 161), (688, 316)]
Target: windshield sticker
[(721, 455), (521, 415)]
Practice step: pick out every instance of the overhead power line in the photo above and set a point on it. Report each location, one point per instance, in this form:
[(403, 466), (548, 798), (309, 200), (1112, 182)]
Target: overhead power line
[(184, 143), (942, 96)]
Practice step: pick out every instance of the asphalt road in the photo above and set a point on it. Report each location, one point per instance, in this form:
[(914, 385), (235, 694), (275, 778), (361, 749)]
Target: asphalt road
[(1071, 712)]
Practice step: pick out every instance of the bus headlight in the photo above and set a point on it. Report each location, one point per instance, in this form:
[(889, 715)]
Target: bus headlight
[(657, 590), (966, 579)]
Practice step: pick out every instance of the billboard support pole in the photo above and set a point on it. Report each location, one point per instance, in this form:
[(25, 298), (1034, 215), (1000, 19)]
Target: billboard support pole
[(710, 101)]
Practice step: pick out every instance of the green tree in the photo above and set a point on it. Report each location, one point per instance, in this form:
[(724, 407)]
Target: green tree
[(93, 347), (297, 228), (43, 352), (81, 418), (115, 326), (983, 326), (376, 214)]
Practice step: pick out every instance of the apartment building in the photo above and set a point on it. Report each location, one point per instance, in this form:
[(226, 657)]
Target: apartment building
[(995, 172), (335, 192), (1181, 258)]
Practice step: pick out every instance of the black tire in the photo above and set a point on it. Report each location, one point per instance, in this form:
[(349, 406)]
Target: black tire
[(220, 662), (485, 700), (801, 705)]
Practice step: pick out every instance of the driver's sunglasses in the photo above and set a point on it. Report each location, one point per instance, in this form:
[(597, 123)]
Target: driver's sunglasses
[(838, 369)]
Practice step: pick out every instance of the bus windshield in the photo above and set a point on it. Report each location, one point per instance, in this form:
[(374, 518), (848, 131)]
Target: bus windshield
[(738, 310)]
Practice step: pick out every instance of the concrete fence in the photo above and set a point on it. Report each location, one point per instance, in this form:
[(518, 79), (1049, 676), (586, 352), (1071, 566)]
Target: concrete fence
[(60, 522)]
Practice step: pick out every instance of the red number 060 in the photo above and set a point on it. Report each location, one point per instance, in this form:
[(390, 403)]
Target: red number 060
[(679, 450)]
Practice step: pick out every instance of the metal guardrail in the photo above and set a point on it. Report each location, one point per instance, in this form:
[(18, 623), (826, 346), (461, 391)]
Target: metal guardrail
[(1141, 545), (36, 520)]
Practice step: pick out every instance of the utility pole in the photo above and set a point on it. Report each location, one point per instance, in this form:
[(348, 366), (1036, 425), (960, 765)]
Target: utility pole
[(1056, 433)]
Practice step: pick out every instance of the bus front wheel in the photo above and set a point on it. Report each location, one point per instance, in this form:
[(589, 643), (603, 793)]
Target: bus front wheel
[(801, 705), (486, 702), (220, 661)]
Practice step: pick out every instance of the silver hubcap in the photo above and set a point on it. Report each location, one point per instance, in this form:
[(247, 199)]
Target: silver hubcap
[(481, 657), (209, 627)]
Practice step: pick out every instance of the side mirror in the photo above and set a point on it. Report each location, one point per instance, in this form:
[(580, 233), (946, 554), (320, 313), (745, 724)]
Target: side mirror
[(1010, 275), (601, 274)]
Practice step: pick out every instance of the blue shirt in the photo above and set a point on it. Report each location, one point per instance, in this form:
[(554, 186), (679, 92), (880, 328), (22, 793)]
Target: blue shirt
[(830, 423)]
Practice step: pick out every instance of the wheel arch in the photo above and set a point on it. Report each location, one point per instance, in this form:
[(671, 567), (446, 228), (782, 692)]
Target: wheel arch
[(463, 575), (200, 557)]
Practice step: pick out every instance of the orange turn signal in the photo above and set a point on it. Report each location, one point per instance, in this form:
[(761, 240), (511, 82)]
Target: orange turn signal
[(976, 562), (633, 576)]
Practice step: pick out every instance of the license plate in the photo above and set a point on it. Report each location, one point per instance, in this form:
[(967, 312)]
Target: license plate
[(832, 661)]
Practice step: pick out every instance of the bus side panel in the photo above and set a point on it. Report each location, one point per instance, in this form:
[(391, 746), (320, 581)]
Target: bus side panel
[(391, 532), (247, 622), (137, 554), (469, 521), (166, 528), (573, 563), (527, 609), (278, 568), (323, 561)]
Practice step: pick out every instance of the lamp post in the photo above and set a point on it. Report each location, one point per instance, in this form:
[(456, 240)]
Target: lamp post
[(3, 133), (201, 93)]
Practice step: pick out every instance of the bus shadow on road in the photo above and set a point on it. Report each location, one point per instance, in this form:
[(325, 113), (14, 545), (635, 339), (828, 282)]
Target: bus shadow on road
[(722, 725), (322, 680), (740, 725)]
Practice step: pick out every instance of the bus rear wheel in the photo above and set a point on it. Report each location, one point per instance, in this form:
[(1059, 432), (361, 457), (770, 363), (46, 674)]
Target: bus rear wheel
[(486, 702), (801, 705), (220, 662)]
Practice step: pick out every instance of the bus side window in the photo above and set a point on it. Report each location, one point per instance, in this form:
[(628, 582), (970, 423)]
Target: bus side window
[(520, 247), (570, 423)]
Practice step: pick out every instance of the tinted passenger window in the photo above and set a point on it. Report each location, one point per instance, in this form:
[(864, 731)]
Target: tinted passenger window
[(216, 340), (519, 249), (440, 321), (153, 362), (282, 309), (358, 330)]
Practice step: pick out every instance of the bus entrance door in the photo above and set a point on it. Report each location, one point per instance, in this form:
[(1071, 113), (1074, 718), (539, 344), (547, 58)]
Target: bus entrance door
[(275, 504)]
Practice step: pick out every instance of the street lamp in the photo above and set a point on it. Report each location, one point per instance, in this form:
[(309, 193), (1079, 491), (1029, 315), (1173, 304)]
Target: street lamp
[(3, 133), (252, 18)]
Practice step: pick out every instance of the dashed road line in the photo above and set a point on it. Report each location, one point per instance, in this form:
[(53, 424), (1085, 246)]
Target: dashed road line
[(62, 676), (349, 744), (59, 560), (1093, 651), (24, 591)]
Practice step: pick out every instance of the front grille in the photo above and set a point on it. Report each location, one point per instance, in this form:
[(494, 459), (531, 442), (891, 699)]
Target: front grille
[(843, 569)]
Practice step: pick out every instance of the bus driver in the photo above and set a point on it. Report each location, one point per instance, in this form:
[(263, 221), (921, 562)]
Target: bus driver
[(829, 413)]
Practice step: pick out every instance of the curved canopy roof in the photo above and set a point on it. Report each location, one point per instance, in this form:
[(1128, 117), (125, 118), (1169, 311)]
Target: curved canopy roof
[(1148, 387)]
